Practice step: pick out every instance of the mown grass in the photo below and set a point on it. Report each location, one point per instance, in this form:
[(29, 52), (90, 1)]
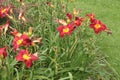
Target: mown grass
[(107, 11)]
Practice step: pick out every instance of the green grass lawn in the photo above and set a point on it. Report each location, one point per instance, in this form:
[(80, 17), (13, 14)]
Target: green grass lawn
[(107, 11)]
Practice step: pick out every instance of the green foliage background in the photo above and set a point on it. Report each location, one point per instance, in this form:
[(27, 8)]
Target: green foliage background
[(75, 57)]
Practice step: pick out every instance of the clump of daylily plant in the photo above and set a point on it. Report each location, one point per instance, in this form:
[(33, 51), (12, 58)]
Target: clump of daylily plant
[(23, 39), (20, 40), (24, 44)]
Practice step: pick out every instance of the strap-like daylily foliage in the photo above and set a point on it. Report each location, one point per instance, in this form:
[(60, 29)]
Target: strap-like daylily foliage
[(66, 27)]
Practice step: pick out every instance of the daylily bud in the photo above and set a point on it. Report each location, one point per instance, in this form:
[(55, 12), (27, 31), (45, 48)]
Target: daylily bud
[(76, 12), (60, 21), (21, 16)]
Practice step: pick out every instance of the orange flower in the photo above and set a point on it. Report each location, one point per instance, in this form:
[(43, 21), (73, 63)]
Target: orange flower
[(97, 26), (27, 58), (3, 52), (65, 29)]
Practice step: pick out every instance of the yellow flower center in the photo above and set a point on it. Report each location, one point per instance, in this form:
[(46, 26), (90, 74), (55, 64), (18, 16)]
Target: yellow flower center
[(97, 26), (65, 30), (26, 57), (1, 56), (19, 41), (3, 10)]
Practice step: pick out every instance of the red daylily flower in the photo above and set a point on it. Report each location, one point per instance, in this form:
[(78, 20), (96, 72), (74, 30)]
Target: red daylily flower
[(15, 33), (27, 58), (25, 39), (78, 21), (65, 29), (21, 40), (97, 26), (3, 52), (91, 17), (4, 11), (69, 17)]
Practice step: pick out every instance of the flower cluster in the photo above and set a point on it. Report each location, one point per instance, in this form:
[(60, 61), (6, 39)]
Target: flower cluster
[(97, 25), (67, 26), (72, 21), (24, 40), (21, 41)]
